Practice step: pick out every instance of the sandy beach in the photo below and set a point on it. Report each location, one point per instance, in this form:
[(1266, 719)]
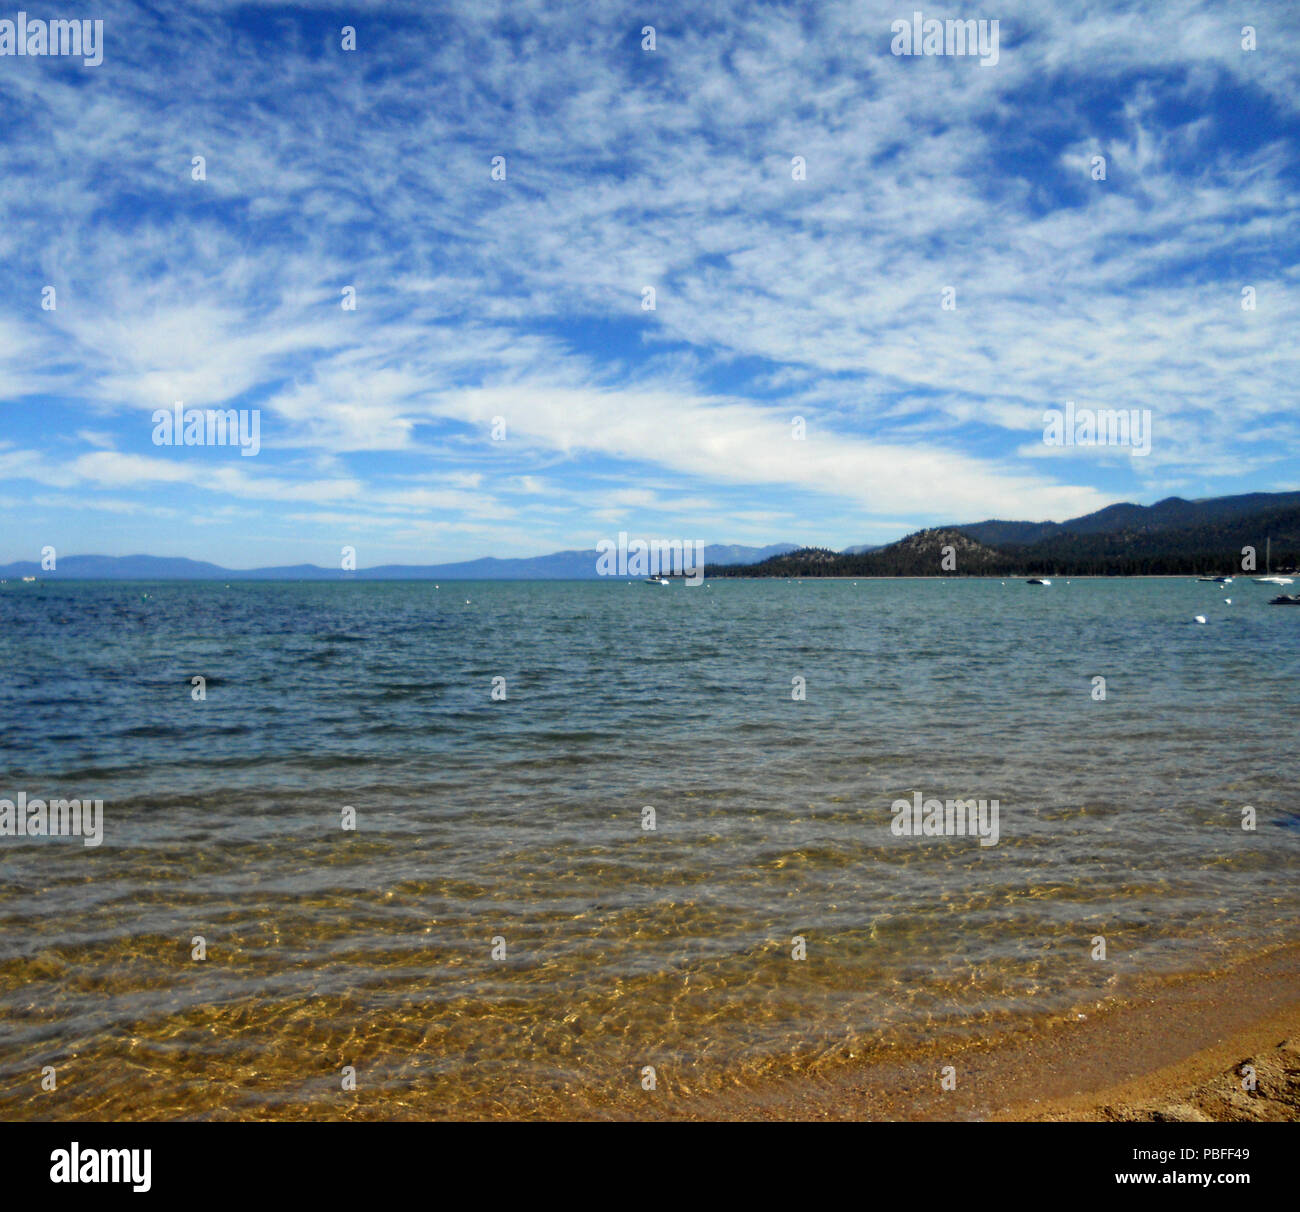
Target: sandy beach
[(1173, 1054), (1206, 1086)]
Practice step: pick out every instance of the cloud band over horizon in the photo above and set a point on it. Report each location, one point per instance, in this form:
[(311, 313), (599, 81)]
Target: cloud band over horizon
[(913, 256)]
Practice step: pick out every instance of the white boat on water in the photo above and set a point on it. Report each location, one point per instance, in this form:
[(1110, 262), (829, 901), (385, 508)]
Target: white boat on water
[(1038, 581), (657, 581), (1270, 579)]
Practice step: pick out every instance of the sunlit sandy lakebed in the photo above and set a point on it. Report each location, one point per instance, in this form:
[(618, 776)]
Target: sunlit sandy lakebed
[(503, 934)]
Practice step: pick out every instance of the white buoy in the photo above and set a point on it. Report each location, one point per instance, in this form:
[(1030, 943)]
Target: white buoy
[(1200, 618)]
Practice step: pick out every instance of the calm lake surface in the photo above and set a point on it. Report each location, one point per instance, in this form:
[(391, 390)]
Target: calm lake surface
[(521, 821)]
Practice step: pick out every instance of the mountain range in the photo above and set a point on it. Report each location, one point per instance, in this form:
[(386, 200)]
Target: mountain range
[(1170, 537), (559, 566)]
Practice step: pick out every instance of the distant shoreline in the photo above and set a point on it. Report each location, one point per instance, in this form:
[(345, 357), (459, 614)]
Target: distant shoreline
[(673, 578)]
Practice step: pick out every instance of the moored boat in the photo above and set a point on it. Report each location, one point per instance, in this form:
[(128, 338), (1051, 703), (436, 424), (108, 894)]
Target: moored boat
[(1270, 578)]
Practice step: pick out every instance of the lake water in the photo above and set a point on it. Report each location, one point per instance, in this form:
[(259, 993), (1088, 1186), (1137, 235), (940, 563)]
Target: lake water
[(501, 934)]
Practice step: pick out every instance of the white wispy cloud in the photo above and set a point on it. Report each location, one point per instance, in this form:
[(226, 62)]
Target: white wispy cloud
[(626, 169)]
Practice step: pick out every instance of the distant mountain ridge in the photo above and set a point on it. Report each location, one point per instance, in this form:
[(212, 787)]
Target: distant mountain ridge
[(1171, 513), (1172, 537), (560, 565)]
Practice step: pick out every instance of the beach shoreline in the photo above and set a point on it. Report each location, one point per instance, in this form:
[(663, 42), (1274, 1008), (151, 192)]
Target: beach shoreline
[(1172, 1053), (1172, 1049)]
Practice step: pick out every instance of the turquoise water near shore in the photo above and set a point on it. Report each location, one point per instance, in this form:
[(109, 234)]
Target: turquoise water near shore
[(522, 820)]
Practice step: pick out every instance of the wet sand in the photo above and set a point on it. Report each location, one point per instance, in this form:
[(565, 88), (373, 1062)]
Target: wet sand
[(1205, 1087), (1174, 1052)]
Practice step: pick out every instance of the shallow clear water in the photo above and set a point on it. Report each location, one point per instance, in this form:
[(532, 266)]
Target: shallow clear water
[(522, 820)]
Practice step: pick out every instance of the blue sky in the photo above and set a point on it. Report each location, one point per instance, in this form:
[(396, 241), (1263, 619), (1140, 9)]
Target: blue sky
[(625, 169)]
